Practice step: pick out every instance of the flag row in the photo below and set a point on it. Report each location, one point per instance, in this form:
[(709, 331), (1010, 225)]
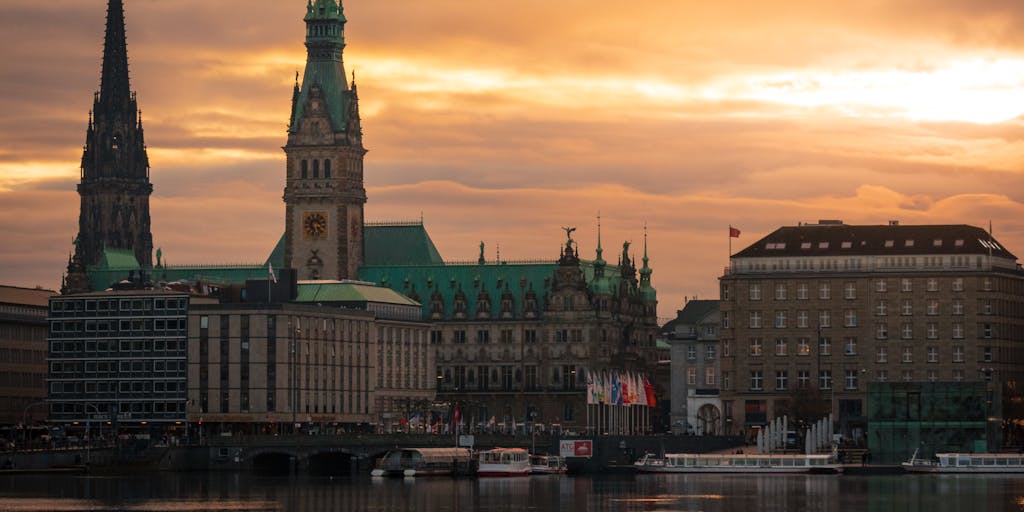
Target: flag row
[(614, 387)]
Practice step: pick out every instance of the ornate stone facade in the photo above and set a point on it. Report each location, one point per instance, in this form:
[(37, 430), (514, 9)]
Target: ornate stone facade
[(324, 194)]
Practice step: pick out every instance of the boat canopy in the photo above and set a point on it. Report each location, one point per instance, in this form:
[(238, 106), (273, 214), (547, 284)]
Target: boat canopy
[(431, 455)]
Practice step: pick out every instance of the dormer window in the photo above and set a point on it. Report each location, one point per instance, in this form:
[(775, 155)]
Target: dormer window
[(805, 245), (908, 243), (847, 245), (822, 245), (890, 243), (937, 242), (959, 243)]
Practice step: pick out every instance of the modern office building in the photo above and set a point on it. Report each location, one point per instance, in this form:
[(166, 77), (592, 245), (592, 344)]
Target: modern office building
[(340, 355), (118, 358), (693, 337), (23, 354), (813, 313)]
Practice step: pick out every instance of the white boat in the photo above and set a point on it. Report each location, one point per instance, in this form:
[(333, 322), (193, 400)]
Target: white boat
[(737, 463), (966, 463), (547, 465), (503, 462), (424, 462)]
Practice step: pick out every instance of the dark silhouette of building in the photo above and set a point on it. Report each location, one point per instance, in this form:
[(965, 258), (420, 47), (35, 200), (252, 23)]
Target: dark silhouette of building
[(115, 187)]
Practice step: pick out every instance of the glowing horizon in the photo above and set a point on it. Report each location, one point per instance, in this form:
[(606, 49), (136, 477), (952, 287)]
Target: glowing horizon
[(504, 124)]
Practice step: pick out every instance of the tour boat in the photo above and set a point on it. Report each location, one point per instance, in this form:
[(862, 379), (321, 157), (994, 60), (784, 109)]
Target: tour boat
[(737, 463), (967, 463), (503, 462), (424, 462), (547, 465)]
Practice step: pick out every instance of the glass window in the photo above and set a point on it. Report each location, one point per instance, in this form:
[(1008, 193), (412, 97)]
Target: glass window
[(780, 319), (882, 355), (756, 380), (756, 347), (781, 347), (781, 380)]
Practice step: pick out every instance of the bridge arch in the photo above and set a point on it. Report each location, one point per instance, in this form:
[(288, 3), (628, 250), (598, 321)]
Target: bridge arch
[(273, 462)]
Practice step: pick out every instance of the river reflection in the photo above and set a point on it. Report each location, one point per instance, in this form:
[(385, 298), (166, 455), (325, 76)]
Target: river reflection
[(711, 493)]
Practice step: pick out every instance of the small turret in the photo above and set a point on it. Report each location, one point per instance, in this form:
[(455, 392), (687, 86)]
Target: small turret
[(647, 292)]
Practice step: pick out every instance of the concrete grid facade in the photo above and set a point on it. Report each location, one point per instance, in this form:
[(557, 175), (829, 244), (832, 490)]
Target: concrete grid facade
[(265, 367), (118, 357), (864, 305)]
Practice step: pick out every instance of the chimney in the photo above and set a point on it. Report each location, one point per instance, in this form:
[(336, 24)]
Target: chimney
[(894, 223)]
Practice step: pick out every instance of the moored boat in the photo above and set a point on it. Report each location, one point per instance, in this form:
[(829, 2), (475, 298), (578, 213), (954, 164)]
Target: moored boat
[(547, 465), (966, 463), (503, 462), (737, 463), (424, 462)]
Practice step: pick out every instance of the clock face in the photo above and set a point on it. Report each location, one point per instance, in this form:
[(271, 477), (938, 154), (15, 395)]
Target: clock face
[(314, 225)]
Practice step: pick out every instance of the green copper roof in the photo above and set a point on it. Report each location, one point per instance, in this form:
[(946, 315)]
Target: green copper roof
[(325, 10), (119, 259), (350, 292), (420, 281), (276, 257), (399, 244), (325, 40)]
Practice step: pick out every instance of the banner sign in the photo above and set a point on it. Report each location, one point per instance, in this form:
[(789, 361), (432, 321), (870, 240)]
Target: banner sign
[(574, 448)]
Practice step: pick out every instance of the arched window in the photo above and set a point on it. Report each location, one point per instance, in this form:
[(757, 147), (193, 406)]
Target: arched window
[(305, 169), (327, 168), (316, 169)]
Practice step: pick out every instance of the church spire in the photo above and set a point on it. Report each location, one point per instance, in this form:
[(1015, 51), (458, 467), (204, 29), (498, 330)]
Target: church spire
[(115, 187), (115, 90)]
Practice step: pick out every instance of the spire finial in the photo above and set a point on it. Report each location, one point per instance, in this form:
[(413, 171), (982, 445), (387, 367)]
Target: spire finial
[(114, 87)]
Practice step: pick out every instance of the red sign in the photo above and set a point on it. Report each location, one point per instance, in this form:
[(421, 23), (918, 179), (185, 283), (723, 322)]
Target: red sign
[(576, 448)]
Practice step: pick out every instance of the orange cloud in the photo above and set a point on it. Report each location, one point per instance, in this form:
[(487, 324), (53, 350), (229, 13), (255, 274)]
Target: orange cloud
[(504, 123)]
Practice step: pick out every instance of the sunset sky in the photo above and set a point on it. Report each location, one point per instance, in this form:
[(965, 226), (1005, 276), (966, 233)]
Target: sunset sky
[(502, 121)]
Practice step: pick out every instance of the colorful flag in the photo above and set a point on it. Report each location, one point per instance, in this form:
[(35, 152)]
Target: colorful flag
[(733, 232), (270, 270), (649, 389), (591, 390), (616, 391)]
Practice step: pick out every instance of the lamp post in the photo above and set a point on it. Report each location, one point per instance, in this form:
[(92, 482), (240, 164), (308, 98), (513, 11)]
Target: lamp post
[(88, 436), (533, 431), (293, 365)]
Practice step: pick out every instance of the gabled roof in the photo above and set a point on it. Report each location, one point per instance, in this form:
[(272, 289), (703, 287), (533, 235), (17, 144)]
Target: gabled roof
[(399, 244), (120, 259), (692, 314), (897, 240)]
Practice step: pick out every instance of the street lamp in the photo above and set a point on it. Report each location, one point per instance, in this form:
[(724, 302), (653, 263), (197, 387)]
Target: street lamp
[(88, 436)]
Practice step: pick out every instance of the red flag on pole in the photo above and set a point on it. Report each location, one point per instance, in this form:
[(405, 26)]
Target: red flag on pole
[(733, 232)]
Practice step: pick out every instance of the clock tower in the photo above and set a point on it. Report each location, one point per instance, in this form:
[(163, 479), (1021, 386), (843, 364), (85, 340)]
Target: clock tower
[(324, 194)]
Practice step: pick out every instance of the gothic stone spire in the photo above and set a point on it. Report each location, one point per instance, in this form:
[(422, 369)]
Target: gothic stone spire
[(115, 185)]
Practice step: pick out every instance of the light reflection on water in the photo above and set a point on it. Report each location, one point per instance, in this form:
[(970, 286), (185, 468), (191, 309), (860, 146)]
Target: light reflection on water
[(222, 492)]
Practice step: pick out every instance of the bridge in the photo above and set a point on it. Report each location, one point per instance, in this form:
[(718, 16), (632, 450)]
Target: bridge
[(356, 453)]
